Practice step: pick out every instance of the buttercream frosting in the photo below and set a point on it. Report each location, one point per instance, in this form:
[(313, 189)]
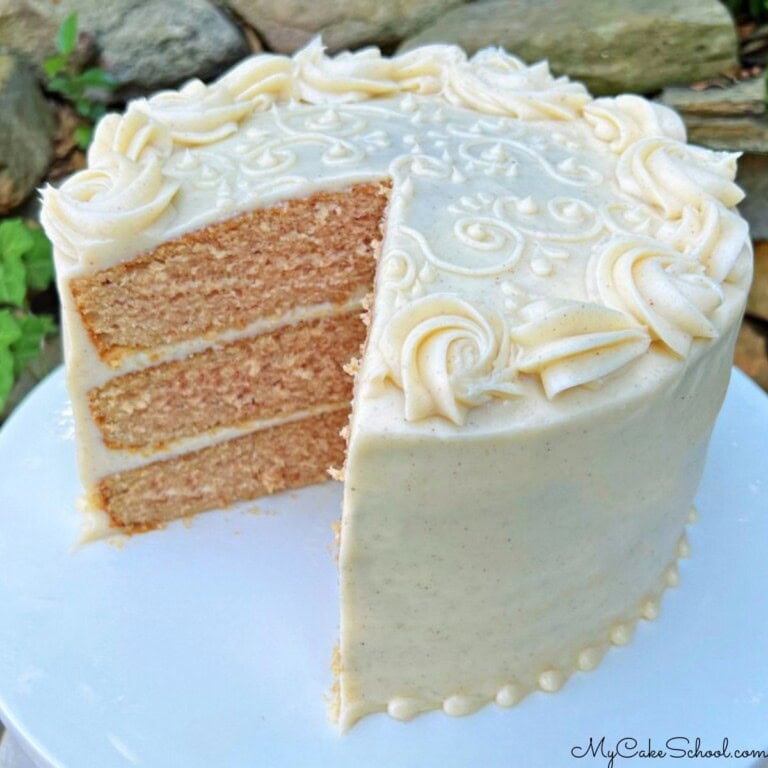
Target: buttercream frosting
[(537, 179), (447, 356), (556, 301)]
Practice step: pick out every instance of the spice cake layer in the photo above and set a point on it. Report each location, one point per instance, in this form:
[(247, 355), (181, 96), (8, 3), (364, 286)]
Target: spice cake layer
[(227, 275), (259, 378), (290, 455)]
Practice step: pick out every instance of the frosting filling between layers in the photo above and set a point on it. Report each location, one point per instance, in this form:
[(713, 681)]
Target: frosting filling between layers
[(259, 378)]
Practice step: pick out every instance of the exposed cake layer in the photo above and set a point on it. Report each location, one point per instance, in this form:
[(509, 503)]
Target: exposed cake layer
[(293, 368), (260, 264), (231, 328), (287, 456)]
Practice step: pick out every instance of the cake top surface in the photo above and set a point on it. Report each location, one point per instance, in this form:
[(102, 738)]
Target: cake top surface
[(532, 229)]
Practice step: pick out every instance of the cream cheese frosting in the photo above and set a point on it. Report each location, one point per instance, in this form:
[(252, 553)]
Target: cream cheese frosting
[(553, 264)]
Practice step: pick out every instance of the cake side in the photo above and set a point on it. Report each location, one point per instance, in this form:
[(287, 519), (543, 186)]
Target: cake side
[(515, 557)]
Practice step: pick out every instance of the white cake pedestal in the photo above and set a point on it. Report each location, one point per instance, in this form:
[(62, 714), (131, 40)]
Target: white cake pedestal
[(12, 754), (209, 644)]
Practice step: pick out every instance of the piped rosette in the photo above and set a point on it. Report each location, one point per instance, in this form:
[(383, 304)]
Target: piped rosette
[(447, 356), (667, 291), (570, 343)]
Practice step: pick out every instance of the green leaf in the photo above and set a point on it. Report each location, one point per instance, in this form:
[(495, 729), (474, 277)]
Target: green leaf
[(13, 284), (66, 86), (6, 376), (97, 112), (9, 329), (83, 107), (15, 241), (95, 77), (53, 65), (83, 135), (57, 83), (25, 254), (38, 261), (34, 328), (10, 332), (15, 237), (66, 38)]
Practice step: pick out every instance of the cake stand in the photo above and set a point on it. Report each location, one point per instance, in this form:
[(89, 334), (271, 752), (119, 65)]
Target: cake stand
[(208, 644)]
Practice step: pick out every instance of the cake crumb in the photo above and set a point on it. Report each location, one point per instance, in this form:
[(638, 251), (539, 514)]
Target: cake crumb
[(333, 696), (335, 546), (257, 510), (352, 367)]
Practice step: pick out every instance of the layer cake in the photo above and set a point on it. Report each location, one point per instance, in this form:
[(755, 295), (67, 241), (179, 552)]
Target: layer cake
[(554, 286)]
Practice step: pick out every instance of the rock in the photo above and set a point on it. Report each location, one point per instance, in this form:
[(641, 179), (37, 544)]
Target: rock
[(153, 43), (26, 133), (752, 354), (144, 44), (289, 24), (740, 134), (757, 306), (611, 45), (753, 178), (28, 30), (730, 118), (743, 98), (753, 50)]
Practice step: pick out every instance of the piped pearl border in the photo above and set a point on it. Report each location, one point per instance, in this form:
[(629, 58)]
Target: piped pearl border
[(552, 679)]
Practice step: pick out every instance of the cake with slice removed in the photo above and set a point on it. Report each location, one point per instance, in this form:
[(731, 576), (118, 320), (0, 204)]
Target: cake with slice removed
[(556, 286)]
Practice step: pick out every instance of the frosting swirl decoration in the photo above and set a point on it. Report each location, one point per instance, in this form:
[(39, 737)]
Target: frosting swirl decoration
[(422, 70), (710, 234), (670, 174), (625, 119), (347, 77), (259, 80), (134, 135), (492, 81), (196, 114), (570, 343), (661, 288), (117, 199), (447, 356)]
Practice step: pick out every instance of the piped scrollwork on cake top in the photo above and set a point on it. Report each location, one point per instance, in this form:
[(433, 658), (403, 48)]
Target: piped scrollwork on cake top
[(608, 232)]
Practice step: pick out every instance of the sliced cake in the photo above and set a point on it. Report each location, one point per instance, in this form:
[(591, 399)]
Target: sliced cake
[(556, 286)]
